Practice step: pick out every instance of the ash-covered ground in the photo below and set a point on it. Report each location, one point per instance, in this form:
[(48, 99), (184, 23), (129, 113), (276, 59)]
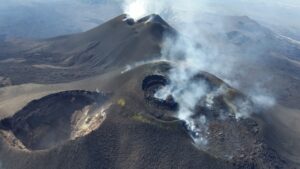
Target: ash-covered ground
[(110, 98)]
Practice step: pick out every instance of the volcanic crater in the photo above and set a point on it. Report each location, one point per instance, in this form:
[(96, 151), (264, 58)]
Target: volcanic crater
[(153, 83), (76, 130), (55, 119)]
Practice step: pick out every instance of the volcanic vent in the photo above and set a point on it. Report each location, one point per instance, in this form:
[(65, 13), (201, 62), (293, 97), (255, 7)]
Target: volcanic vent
[(215, 124), (151, 84), (55, 119)]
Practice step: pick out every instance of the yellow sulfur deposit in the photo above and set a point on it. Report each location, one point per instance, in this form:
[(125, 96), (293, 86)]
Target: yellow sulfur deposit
[(121, 102)]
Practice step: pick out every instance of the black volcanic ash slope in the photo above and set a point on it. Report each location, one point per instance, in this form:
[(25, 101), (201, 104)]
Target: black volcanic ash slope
[(113, 44), (135, 131)]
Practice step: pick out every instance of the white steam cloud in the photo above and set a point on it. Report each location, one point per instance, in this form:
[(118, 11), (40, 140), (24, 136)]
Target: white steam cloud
[(275, 14), (193, 53), (137, 9)]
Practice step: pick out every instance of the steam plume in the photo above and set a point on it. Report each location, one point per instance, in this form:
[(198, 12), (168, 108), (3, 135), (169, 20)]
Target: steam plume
[(190, 58)]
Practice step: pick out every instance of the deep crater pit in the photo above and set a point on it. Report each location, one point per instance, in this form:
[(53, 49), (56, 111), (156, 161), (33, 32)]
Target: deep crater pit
[(55, 119), (153, 83)]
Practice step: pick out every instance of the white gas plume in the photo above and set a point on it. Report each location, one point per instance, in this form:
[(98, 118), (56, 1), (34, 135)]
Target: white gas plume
[(137, 9), (193, 52)]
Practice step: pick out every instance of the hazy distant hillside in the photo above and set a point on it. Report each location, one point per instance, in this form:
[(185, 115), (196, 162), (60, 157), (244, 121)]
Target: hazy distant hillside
[(48, 19)]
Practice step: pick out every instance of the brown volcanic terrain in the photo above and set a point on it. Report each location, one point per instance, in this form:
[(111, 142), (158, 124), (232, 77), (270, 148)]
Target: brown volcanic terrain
[(121, 126)]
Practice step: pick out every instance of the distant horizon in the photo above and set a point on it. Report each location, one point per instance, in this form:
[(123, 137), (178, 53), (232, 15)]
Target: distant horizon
[(50, 18)]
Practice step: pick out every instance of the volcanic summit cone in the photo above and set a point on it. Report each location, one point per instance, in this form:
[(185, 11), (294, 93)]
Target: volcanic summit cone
[(123, 124)]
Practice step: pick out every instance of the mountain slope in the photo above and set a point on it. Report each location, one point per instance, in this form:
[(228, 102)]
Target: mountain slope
[(67, 58), (136, 131), (98, 58)]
